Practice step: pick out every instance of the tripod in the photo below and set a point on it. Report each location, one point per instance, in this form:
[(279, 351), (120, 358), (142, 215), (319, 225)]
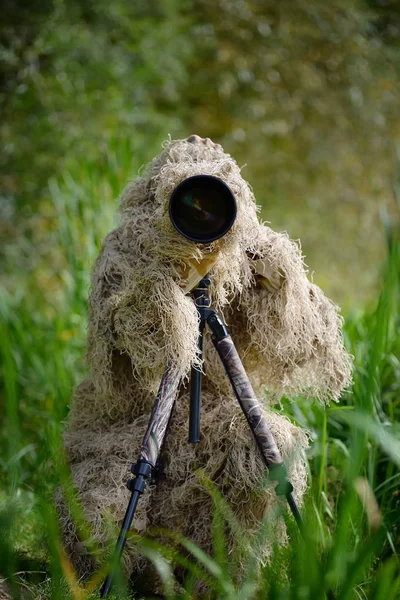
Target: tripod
[(162, 409)]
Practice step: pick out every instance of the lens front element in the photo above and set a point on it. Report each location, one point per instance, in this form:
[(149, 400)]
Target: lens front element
[(202, 208)]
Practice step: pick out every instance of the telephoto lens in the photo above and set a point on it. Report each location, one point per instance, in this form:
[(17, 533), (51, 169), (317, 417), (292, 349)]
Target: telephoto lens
[(202, 208)]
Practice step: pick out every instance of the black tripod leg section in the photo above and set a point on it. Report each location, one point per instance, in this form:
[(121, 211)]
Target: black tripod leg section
[(253, 412), (142, 470), (295, 511), (202, 302), (195, 394)]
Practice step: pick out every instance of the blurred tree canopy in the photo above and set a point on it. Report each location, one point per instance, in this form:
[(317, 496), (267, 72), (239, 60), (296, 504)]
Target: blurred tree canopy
[(303, 91), (77, 73)]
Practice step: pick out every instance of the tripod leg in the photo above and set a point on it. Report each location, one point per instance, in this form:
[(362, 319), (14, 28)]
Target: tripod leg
[(142, 469), (202, 302), (253, 411)]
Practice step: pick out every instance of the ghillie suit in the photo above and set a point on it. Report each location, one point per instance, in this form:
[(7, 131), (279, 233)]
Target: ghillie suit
[(142, 317)]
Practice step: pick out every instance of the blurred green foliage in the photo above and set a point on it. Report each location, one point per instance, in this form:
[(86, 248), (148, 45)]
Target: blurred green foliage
[(84, 73), (304, 93)]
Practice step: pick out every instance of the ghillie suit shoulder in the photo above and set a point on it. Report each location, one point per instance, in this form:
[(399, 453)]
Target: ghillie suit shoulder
[(289, 332)]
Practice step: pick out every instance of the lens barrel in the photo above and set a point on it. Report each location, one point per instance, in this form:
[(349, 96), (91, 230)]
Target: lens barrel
[(202, 208)]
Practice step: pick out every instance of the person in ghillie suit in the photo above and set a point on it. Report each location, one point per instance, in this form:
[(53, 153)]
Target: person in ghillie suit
[(142, 316)]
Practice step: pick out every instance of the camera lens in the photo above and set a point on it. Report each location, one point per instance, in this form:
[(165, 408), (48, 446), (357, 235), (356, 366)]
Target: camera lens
[(202, 208)]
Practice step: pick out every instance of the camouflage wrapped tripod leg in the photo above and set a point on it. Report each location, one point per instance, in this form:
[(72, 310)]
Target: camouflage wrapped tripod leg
[(143, 468), (252, 409)]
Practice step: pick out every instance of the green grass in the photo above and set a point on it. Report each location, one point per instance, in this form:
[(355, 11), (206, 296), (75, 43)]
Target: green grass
[(352, 509)]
